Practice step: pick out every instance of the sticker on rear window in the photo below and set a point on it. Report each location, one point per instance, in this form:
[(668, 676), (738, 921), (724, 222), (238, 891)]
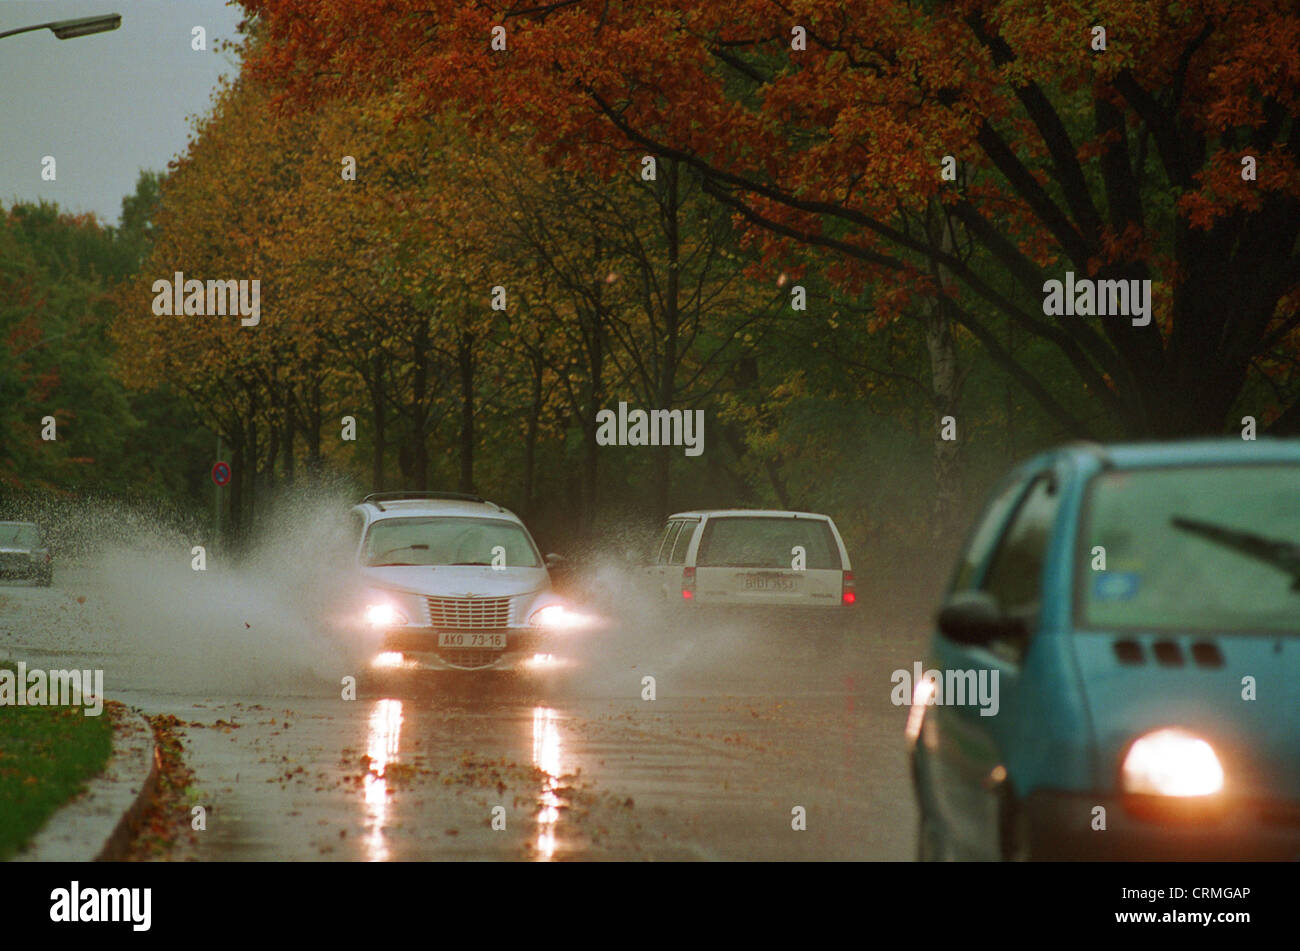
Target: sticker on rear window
[(1115, 585)]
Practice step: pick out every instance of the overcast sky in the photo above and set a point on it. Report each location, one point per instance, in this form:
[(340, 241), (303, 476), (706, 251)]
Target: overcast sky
[(105, 106)]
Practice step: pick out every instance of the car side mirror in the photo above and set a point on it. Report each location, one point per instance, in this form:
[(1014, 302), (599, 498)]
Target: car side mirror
[(976, 617), (555, 561)]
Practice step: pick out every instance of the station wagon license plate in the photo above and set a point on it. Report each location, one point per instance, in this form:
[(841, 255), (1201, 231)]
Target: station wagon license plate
[(767, 581), (490, 640)]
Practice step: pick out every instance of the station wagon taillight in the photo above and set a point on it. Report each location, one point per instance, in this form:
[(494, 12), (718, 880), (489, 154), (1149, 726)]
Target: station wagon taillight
[(847, 594), (688, 583)]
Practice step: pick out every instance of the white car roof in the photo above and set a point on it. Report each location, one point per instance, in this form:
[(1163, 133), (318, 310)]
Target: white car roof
[(445, 507), (738, 513)]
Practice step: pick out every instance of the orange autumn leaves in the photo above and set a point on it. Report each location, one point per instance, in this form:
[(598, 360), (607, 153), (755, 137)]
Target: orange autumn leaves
[(1070, 157)]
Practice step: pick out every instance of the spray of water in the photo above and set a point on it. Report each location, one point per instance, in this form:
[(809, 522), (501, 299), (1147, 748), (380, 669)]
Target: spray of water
[(280, 619), (267, 622), (640, 632)]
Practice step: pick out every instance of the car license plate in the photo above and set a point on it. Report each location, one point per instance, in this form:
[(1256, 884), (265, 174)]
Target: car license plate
[(767, 582), (490, 640)]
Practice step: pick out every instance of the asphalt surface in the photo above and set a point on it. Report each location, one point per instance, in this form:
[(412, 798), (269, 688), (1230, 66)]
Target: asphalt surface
[(748, 731)]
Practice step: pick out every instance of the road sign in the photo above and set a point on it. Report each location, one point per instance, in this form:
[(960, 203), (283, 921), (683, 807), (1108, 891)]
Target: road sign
[(221, 473)]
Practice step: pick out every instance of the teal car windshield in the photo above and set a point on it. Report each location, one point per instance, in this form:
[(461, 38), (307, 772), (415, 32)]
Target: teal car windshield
[(1192, 549)]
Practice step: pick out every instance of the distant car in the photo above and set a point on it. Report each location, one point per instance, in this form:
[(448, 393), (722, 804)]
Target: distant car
[(753, 558), (1140, 608), (455, 582), (24, 553)]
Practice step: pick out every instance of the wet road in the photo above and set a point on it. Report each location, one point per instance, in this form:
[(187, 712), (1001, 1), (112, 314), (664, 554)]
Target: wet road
[(747, 731)]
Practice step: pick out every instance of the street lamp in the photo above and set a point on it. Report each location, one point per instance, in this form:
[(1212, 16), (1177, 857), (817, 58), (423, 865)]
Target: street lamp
[(68, 29)]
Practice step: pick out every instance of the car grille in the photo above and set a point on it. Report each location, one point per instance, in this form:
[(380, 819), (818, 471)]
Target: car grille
[(469, 659), (455, 614)]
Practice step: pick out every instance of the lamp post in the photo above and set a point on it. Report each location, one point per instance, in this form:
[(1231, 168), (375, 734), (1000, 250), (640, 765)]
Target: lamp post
[(69, 29)]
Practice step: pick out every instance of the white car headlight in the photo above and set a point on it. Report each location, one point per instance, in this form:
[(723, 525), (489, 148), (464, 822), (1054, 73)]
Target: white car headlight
[(1171, 762), (384, 614), (555, 617)]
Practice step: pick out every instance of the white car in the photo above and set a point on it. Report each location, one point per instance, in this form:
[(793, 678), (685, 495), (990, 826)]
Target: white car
[(24, 553), (453, 581), (753, 558)]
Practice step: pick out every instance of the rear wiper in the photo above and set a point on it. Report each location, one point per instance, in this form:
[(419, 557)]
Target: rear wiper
[(1281, 554)]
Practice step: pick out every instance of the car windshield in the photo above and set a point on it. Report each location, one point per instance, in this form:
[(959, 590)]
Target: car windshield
[(766, 542), (448, 540), (19, 536), (1196, 549)]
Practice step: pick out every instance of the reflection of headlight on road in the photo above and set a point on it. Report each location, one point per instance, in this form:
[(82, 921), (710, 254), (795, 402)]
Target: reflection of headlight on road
[(556, 617), (383, 615), (1171, 762), (922, 695)]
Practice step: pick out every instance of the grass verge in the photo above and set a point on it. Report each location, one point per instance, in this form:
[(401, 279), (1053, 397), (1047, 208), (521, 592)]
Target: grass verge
[(46, 756)]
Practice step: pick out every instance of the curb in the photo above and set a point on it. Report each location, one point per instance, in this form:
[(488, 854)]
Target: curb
[(99, 824)]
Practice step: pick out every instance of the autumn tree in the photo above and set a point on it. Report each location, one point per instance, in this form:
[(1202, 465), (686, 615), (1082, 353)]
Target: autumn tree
[(1126, 141), (221, 209)]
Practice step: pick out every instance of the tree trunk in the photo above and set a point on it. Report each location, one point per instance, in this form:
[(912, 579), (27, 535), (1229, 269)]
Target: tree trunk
[(286, 448), (672, 322), (465, 361), (249, 475), (417, 451), (266, 474), (590, 473), (530, 436), (315, 419), (378, 412), (587, 419), (234, 523), (942, 350)]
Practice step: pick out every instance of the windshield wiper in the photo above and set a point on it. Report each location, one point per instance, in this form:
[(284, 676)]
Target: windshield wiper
[(455, 563), (1281, 554), (391, 551)]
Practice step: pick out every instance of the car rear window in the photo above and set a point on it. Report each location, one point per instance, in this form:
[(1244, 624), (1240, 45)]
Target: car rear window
[(20, 536), (766, 542), (681, 543), (675, 540), (1192, 548)]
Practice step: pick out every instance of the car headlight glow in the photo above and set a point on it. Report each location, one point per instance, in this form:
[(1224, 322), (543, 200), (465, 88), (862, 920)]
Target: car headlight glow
[(383, 614), (555, 617), (1171, 762)]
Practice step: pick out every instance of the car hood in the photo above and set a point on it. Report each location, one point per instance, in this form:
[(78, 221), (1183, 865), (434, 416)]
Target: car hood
[(459, 581), (1135, 682)]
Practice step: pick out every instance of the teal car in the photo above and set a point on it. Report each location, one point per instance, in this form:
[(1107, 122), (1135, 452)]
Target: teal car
[(1116, 670)]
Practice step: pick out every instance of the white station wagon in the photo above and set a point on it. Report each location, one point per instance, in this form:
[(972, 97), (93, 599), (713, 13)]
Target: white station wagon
[(453, 581), (754, 558)]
